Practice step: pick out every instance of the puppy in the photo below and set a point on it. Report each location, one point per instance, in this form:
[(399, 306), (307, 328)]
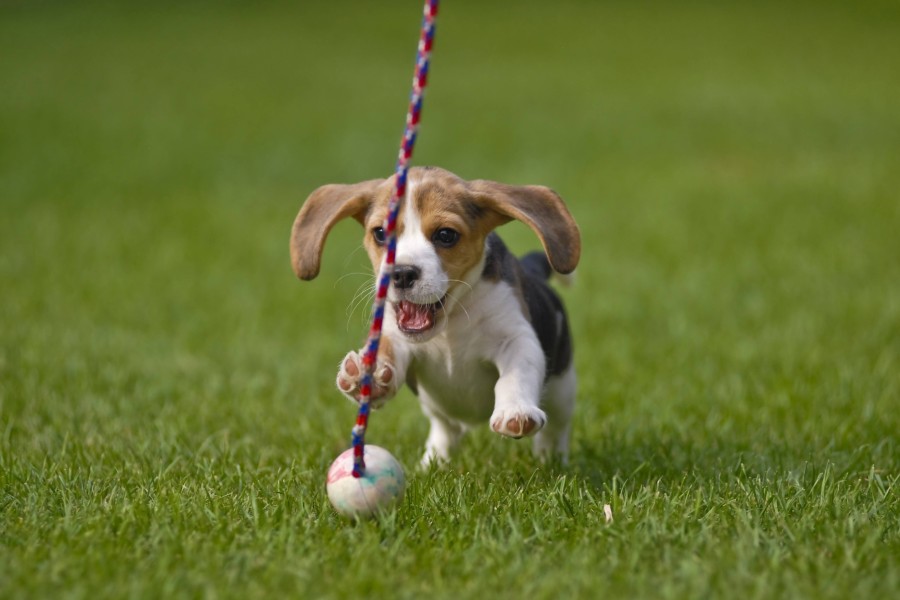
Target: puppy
[(476, 333)]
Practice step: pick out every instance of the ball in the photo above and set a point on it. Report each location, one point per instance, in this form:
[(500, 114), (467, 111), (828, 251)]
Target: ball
[(381, 486)]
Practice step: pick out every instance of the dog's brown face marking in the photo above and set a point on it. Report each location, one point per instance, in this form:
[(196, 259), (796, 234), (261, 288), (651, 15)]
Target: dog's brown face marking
[(449, 212), (440, 201)]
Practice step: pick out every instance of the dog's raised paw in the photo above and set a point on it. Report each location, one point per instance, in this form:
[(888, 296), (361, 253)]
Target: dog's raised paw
[(350, 375), (518, 422)]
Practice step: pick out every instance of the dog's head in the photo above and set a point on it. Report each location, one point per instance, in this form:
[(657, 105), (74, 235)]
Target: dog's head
[(442, 229)]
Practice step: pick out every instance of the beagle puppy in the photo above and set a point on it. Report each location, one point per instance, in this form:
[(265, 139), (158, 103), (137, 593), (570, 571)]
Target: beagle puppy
[(476, 333)]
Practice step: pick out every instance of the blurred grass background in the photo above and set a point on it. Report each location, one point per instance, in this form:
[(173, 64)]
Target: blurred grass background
[(166, 386)]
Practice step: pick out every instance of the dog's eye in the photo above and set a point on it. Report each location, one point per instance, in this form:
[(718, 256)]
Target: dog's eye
[(378, 235), (445, 237)]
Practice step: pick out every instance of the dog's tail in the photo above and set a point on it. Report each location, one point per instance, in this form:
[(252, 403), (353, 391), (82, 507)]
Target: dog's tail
[(538, 266)]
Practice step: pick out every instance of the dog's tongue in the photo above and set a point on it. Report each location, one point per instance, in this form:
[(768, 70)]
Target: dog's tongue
[(415, 317)]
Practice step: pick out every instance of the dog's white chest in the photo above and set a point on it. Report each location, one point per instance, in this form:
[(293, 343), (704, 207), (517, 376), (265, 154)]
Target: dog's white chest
[(456, 371), (456, 381)]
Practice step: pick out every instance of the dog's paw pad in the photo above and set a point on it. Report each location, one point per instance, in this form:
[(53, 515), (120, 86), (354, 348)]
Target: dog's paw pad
[(350, 375), (351, 367), (384, 375), (518, 423)]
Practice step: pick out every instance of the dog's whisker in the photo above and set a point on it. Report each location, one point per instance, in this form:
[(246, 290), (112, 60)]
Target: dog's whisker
[(465, 283), (362, 298), (352, 254), (361, 291), (361, 295), (355, 309), (458, 303), (351, 274), (363, 317), (364, 294), (457, 299)]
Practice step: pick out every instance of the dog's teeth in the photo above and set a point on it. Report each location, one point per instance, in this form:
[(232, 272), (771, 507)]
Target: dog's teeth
[(415, 318)]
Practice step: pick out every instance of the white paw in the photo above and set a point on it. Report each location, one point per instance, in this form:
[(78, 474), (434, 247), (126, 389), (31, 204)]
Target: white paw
[(432, 459), (384, 384), (551, 448), (517, 422)]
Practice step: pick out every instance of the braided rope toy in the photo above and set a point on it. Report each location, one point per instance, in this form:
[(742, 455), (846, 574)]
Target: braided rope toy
[(420, 80)]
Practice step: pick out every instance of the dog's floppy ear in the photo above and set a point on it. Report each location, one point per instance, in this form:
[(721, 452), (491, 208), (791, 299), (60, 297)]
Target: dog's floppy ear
[(541, 209), (325, 207)]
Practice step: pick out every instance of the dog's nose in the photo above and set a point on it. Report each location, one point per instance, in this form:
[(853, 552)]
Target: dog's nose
[(404, 276)]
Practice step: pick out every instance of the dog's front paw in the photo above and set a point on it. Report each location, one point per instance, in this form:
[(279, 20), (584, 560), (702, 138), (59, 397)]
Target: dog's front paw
[(517, 422), (350, 375)]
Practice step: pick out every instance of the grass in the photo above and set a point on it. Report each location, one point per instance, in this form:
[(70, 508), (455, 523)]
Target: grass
[(167, 409)]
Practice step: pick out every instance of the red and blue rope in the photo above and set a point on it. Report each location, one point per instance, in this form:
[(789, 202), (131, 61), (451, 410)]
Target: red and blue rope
[(370, 354)]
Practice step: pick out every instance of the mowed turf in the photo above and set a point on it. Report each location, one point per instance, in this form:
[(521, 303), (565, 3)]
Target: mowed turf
[(167, 405)]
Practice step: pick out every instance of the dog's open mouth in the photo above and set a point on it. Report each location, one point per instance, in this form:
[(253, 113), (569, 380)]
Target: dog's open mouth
[(416, 318)]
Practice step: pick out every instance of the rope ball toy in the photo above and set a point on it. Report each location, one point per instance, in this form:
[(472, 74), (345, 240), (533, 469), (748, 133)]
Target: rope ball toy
[(366, 479)]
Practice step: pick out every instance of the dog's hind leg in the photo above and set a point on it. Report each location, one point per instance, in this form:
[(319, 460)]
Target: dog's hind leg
[(443, 437), (558, 401)]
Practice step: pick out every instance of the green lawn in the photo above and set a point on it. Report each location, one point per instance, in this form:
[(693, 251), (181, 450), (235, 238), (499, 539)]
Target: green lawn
[(167, 406)]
